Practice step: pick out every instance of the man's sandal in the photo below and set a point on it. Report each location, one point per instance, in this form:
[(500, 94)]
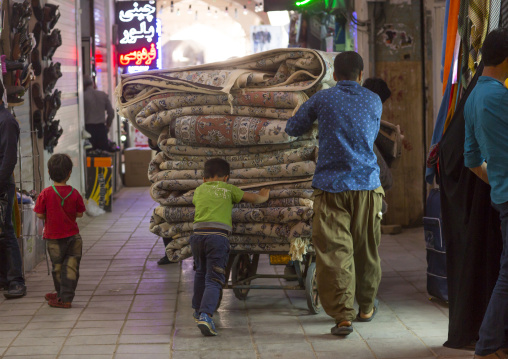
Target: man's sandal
[(361, 319)]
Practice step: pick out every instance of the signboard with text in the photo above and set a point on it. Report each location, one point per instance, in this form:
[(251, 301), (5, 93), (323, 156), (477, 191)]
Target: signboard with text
[(138, 35)]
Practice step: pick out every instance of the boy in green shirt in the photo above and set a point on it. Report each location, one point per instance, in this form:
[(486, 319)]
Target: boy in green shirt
[(214, 201)]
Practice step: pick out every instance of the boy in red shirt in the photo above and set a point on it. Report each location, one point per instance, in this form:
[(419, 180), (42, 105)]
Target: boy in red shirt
[(59, 206)]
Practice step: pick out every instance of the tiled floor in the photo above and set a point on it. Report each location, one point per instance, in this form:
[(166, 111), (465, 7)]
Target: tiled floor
[(128, 307)]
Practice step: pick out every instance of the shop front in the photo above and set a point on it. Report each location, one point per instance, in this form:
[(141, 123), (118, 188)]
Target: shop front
[(43, 62)]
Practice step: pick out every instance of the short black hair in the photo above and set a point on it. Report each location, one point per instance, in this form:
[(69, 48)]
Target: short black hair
[(348, 65), (59, 166), (495, 47), (216, 167), (379, 87)]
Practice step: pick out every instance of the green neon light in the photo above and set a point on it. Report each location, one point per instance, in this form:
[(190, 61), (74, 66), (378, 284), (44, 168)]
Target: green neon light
[(300, 3)]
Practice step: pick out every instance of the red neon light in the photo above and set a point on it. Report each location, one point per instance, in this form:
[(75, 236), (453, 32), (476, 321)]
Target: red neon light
[(139, 56), (98, 57)]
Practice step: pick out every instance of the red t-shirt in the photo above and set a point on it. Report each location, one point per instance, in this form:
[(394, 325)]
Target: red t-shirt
[(60, 221)]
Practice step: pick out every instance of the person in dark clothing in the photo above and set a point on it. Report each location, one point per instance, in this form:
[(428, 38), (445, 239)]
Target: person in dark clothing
[(380, 88), (11, 274), (165, 240), (485, 153), (97, 105)]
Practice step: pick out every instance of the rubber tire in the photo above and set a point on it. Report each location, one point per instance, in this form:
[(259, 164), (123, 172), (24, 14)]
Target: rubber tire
[(311, 292), (240, 270)]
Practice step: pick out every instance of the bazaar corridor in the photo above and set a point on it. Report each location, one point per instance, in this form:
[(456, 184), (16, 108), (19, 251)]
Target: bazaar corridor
[(129, 307)]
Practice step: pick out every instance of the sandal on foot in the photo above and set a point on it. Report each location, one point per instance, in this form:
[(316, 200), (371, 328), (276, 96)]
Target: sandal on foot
[(342, 329), (359, 317), (51, 296), (57, 303)]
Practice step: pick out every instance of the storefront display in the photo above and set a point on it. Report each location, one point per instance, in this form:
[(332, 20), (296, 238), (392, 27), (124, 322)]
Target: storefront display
[(40, 63)]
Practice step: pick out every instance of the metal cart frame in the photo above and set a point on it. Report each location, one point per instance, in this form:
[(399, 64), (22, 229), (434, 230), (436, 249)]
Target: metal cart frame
[(242, 266)]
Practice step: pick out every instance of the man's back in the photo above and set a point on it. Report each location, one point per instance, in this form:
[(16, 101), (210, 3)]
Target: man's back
[(348, 118), (487, 133), (96, 105)]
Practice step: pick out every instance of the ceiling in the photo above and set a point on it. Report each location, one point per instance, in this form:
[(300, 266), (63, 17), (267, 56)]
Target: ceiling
[(222, 4)]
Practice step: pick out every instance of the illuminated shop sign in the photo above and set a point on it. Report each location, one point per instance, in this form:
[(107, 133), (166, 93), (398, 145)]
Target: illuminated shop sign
[(138, 34)]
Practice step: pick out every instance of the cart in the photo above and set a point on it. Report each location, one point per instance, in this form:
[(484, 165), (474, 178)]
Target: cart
[(242, 266)]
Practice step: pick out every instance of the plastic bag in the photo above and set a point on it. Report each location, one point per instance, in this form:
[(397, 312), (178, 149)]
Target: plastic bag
[(93, 209)]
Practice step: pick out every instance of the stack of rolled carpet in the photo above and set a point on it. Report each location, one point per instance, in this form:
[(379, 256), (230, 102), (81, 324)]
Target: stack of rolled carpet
[(236, 110)]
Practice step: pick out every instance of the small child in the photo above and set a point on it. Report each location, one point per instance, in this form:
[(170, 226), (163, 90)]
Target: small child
[(214, 201), (59, 205)]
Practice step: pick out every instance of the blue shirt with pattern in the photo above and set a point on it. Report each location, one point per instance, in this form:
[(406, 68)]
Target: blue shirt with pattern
[(348, 118)]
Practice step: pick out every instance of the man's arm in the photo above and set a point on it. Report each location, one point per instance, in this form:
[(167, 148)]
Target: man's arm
[(110, 111), (302, 121), (9, 147)]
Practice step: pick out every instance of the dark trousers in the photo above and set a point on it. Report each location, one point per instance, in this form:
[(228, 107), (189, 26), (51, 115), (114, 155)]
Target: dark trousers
[(99, 137), (210, 254), (494, 329), (65, 256), (10, 255)]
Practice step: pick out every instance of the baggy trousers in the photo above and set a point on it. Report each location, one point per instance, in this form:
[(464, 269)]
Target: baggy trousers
[(65, 255), (346, 232)]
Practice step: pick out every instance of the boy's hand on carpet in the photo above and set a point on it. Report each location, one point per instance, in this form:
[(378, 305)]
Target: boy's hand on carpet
[(256, 198), (265, 193)]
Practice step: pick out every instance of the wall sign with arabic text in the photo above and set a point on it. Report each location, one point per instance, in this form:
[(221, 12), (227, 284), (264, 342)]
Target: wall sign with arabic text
[(138, 34)]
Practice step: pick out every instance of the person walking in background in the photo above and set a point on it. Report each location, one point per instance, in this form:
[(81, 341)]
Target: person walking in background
[(380, 88), (11, 273), (486, 154), (99, 115), (346, 227), (214, 201), (59, 206)]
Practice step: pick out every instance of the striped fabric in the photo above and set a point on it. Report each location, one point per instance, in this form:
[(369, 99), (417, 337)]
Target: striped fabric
[(479, 15), (504, 13), (464, 28), (495, 14)]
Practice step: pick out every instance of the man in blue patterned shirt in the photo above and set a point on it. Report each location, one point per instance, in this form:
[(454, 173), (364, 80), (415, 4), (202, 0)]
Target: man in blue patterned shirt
[(348, 194)]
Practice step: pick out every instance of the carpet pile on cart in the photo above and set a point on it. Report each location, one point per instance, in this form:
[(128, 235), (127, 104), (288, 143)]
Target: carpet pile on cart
[(236, 110)]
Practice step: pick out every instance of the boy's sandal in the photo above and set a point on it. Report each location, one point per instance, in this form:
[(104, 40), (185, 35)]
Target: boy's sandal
[(51, 296), (57, 303), (359, 317)]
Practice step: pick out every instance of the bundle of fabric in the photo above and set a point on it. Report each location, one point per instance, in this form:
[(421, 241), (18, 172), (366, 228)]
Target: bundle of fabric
[(236, 110)]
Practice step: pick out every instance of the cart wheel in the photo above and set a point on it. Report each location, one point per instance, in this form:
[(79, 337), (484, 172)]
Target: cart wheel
[(240, 271), (311, 291)]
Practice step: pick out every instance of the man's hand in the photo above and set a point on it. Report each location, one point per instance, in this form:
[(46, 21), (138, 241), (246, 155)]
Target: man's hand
[(481, 172)]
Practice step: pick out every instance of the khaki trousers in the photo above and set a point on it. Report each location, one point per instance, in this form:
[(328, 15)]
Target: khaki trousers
[(346, 232)]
